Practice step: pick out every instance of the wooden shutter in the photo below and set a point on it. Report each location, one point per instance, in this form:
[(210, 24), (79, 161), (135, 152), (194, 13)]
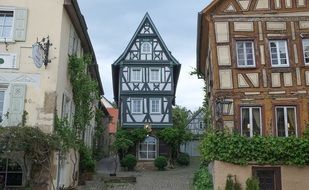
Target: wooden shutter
[(17, 102), (71, 40), (20, 24)]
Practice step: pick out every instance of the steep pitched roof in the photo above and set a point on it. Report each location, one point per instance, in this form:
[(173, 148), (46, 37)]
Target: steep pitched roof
[(118, 62)]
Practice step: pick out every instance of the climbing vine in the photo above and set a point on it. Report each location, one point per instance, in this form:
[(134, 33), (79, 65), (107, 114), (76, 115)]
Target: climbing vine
[(85, 91)]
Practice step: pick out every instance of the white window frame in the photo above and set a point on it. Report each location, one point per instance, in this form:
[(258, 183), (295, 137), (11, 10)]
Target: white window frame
[(133, 100), (154, 70), (250, 119), (286, 124), (133, 69), (11, 39), (245, 54), (146, 50), (278, 53), (151, 100), (147, 151), (305, 43)]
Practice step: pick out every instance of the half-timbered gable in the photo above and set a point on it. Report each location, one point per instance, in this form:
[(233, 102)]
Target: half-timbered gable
[(145, 78), (254, 57)]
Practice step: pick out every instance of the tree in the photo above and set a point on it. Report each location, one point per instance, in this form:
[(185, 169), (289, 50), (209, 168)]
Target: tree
[(178, 134)]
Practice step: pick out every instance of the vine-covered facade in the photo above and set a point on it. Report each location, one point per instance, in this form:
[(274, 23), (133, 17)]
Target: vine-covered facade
[(35, 86), (252, 55)]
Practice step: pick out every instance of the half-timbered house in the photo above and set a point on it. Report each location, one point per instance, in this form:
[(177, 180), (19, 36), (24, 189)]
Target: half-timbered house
[(144, 80), (254, 57)]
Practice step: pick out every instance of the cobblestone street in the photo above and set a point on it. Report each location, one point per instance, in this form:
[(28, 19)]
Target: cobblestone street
[(175, 179)]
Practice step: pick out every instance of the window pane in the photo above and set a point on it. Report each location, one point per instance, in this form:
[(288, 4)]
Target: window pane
[(152, 147), (151, 155), (245, 122), (291, 121), (256, 119), (280, 122), (143, 147), (143, 154)]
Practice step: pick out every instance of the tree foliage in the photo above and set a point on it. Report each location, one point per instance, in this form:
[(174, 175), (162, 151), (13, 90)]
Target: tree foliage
[(178, 134)]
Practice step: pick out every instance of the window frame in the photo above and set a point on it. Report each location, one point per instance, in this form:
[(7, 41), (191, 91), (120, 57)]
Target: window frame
[(150, 48), (278, 53), (147, 149), (140, 74), (304, 53), (11, 39), (250, 120), (245, 59), (151, 104), (150, 74), (9, 172), (140, 107), (286, 127)]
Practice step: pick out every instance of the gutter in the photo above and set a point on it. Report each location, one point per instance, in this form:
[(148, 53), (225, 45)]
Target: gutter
[(80, 25)]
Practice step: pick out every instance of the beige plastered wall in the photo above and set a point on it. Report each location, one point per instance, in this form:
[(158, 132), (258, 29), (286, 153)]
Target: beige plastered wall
[(45, 18), (292, 177)]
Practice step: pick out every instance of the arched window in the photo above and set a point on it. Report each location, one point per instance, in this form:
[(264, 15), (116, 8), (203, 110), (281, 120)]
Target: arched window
[(148, 148), (146, 48), (11, 174)]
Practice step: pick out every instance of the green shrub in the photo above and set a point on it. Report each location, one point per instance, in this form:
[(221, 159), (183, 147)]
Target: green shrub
[(160, 162), (129, 161), (232, 184), (183, 159), (237, 149), (86, 163), (252, 183), (202, 179)]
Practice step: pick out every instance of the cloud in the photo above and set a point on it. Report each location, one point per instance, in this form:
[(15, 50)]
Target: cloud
[(112, 24)]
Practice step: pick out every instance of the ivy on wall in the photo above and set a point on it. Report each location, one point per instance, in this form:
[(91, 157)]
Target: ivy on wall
[(234, 148)]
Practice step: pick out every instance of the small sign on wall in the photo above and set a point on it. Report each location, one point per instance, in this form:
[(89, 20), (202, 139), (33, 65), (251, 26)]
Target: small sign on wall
[(7, 61)]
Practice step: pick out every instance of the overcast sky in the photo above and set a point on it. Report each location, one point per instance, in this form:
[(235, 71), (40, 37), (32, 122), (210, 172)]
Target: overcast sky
[(112, 24)]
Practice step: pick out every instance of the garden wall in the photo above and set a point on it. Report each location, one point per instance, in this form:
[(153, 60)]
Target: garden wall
[(292, 177)]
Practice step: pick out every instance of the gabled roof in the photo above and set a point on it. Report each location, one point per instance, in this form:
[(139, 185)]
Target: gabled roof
[(118, 62), (194, 116)]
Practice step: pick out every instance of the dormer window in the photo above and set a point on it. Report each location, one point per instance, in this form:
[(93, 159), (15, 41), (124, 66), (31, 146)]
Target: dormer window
[(146, 48)]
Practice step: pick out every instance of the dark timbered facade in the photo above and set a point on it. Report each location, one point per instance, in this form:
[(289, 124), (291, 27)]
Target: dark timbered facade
[(144, 81)]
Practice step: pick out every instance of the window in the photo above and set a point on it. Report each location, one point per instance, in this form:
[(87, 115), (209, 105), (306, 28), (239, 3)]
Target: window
[(286, 121), (279, 53), (136, 75), (201, 125), (136, 105), (251, 121), (154, 75), (6, 25), (306, 51), (146, 48), (11, 174), (155, 105), (148, 148), (245, 54), (2, 92)]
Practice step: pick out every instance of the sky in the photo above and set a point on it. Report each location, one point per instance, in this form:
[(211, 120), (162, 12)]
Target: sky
[(112, 24)]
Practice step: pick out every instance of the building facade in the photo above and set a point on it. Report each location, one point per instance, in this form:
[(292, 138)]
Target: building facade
[(145, 78), (197, 127), (253, 55), (36, 81)]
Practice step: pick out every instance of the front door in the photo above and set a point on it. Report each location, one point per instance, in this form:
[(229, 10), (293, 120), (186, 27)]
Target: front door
[(269, 177)]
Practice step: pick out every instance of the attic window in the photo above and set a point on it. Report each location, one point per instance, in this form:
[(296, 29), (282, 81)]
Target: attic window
[(146, 48)]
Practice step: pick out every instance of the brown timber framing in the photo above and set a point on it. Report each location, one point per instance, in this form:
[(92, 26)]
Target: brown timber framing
[(266, 86)]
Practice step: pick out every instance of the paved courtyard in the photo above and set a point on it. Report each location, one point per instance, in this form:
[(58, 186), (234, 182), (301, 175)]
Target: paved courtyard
[(171, 179)]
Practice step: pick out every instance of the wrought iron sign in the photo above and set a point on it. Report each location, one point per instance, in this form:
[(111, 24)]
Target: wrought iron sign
[(40, 52)]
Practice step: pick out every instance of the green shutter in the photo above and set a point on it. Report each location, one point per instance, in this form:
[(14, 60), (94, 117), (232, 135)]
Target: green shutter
[(17, 102), (20, 24)]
